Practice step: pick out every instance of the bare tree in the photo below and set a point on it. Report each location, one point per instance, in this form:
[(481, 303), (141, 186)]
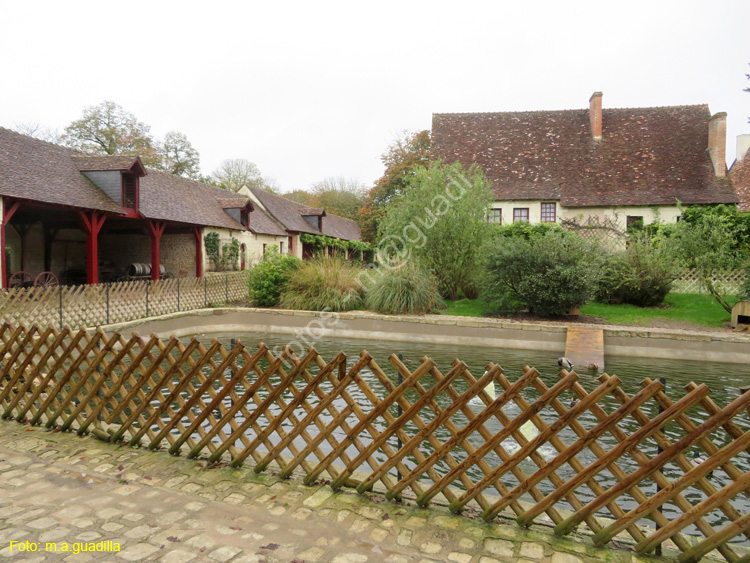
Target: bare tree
[(38, 131), (340, 196), (234, 173)]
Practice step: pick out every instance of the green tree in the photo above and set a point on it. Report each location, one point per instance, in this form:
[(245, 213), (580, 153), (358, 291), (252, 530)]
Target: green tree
[(401, 159), (108, 129), (302, 196), (178, 156), (440, 219), (340, 196), (708, 242)]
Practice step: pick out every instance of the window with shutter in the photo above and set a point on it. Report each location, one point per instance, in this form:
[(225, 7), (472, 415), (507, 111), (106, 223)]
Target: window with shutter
[(130, 192)]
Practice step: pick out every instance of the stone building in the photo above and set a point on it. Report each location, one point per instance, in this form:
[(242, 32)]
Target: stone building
[(739, 173), (86, 219), (622, 164)]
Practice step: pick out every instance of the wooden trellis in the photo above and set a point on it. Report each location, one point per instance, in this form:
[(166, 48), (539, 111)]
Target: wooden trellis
[(431, 436), (729, 283), (100, 304)]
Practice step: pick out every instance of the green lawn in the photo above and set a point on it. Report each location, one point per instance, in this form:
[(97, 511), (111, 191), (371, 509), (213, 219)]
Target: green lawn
[(463, 308), (698, 309), (701, 310)]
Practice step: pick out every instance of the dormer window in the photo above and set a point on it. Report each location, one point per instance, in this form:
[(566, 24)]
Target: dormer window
[(130, 191), (245, 216)]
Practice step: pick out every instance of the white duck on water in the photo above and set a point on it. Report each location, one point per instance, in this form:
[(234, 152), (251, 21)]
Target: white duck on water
[(565, 363)]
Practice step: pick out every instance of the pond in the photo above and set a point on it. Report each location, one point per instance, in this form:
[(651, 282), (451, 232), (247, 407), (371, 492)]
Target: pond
[(723, 379)]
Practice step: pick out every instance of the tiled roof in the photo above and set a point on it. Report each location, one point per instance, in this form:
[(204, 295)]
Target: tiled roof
[(285, 211), (174, 198), (647, 156), (36, 170), (110, 162), (740, 176), (289, 214), (340, 227), (312, 211), (39, 171)]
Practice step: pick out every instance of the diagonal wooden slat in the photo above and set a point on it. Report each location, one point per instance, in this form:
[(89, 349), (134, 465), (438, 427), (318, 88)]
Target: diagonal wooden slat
[(256, 407)]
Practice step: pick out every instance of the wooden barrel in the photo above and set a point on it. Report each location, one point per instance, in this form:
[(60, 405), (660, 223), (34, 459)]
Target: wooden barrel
[(138, 269)]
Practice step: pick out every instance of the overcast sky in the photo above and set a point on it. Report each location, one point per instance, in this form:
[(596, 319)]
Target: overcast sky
[(308, 90)]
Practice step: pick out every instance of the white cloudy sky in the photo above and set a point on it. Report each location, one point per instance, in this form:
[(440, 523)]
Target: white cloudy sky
[(308, 90)]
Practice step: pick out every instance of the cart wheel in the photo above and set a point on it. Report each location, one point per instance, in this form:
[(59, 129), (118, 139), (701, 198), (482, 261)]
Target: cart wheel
[(46, 279), (20, 279)]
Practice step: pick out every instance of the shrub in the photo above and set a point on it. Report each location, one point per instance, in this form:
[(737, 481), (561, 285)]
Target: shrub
[(642, 275), (525, 230), (324, 283), (268, 278), (547, 274), (440, 220), (408, 290)]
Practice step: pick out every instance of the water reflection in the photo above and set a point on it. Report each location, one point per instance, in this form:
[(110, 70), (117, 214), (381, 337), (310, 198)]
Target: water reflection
[(723, 379)]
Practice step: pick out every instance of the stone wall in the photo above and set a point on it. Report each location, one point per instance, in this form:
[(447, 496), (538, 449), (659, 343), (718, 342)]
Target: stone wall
[(177, 252), (68, 251)]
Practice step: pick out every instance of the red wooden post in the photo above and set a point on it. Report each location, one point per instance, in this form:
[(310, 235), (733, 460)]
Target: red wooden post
[(156, 229), (198, 234), (7, 214), (92, 222)]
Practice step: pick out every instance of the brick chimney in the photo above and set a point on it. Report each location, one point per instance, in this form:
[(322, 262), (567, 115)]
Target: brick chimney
[(717, 143), (595, 115), (743, 145)]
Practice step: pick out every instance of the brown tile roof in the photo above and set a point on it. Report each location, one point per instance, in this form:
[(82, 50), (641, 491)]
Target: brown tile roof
[(740, 176), (168, 197), (36, 170), (289, 214), (312, 211), (111, 162), (39, 171), (340, 227), (260, 221), (174, 198), (647, 156)]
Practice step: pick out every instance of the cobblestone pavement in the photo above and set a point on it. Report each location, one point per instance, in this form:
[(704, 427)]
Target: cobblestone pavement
[(56, 487)]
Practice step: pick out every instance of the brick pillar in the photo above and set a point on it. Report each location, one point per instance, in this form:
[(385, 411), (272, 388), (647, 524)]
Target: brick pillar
[(595, 115), (717, 143)]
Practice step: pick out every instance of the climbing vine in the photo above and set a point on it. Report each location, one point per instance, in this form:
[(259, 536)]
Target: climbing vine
[(227, 258), (320, 242)]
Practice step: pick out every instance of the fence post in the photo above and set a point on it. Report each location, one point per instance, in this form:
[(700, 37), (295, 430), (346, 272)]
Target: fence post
[(205, 291), (400, 412), (106, 285), (663, 381), (226, 288), (61, 308), (148, 284), (178, 294)]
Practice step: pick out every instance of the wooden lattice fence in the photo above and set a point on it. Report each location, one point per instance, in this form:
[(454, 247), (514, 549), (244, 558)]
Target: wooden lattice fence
[(728, 283), (536, 448), (101, 304)]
